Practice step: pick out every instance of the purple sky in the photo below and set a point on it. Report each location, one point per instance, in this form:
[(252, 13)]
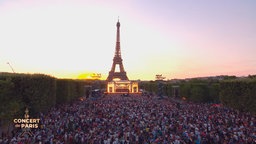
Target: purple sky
[(178, 39)]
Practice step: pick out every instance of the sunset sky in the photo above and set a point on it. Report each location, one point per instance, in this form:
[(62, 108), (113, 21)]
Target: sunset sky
[(179, 39)]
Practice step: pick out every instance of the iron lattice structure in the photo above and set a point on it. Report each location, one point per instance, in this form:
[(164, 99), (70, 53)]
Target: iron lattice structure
[(117, 60)]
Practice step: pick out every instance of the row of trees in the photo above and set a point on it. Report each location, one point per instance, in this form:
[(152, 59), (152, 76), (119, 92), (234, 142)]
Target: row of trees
[(194, 90), (200, 92), (38, 92), (238, 93), (68, 90)]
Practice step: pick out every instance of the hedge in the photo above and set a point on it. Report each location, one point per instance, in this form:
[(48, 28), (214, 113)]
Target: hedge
[(69, 90), (38, 92), (196, 91), (239, 94), (200, 92), (35, 91)]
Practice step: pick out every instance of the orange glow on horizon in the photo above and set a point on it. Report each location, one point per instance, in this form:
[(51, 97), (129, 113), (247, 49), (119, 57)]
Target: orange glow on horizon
[(90, 76)]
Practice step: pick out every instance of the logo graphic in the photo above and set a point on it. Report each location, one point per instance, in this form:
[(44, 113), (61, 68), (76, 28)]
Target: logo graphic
[(26, 124)]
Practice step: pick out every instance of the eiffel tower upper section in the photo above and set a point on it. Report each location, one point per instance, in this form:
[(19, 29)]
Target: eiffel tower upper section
[(117, 60)]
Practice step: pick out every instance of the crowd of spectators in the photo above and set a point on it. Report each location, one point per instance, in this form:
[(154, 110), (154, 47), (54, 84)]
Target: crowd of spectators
[(134, 119)]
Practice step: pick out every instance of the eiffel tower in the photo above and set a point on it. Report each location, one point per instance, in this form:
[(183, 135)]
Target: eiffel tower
[(117, 60)]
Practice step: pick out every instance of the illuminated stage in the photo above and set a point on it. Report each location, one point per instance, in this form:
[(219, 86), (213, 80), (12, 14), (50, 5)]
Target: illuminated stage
[(122, 86)]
